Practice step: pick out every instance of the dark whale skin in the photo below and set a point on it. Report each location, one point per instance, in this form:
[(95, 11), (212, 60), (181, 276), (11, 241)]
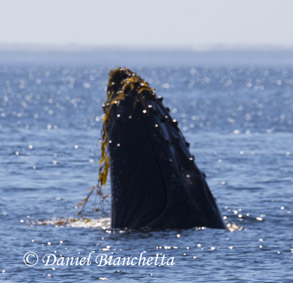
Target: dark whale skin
[(155, 182)]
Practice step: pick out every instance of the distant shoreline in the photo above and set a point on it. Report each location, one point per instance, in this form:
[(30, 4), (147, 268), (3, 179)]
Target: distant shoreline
[(114, 56), (79, 47)]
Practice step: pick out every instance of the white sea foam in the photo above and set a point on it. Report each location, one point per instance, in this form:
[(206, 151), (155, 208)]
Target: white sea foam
[(102, 223)]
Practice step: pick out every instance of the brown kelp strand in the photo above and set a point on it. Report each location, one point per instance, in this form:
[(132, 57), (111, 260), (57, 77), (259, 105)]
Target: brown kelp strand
[(129, 83)]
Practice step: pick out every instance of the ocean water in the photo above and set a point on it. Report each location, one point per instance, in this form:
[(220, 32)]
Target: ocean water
[(235, 109)]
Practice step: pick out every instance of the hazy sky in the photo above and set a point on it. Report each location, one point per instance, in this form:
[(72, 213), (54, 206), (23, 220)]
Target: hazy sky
[(148, 23)]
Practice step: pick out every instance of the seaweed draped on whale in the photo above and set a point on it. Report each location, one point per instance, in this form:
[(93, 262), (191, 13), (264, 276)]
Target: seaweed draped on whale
[(155, 182)]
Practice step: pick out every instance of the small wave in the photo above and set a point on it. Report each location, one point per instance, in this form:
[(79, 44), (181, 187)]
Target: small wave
[(233, 227), (102, 223)]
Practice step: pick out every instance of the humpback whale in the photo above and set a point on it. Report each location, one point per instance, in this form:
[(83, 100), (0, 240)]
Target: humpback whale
[(155, 182)]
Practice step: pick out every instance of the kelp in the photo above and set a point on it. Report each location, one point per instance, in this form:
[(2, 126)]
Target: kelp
[(122, 81)]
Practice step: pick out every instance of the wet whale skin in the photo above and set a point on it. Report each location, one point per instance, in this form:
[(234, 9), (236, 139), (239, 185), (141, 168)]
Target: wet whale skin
[(155, 182)]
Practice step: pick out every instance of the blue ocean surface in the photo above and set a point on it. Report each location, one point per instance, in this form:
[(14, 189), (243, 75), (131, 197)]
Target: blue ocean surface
[(234, 107)]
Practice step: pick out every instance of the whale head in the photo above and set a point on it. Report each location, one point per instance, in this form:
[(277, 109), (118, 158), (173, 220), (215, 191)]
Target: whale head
[(154, 180)]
